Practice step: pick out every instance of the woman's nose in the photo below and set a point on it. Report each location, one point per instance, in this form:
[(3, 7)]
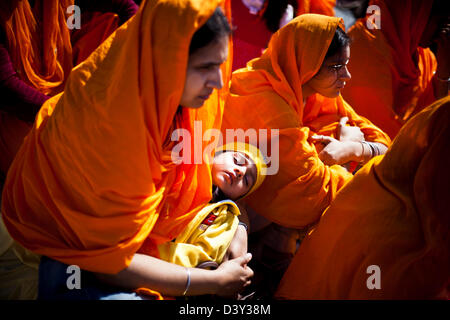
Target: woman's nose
[(216, 80), (346, 75)]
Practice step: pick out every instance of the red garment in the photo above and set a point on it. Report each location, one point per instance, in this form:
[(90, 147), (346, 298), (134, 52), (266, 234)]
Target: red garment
[(20, 99), (250, 36)]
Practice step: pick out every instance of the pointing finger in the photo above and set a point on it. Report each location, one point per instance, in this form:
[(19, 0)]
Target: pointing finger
[(343, 121)]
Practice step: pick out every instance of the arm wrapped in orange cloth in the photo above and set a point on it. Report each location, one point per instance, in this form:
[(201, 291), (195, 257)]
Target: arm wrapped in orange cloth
[(325, 7), (385, 236)]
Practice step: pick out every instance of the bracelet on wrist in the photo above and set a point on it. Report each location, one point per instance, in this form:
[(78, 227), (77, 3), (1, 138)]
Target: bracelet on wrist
[(244, 225), (374, 150), (188, 281), (362, 152), (365, 157)]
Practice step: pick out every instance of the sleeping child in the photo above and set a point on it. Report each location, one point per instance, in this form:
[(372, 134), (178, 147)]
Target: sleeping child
[(238, 169)]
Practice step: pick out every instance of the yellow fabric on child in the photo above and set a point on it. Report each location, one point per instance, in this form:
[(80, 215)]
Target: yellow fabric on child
[(206, 238)]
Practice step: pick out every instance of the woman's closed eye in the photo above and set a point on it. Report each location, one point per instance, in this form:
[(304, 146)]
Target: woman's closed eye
[(240, 160)]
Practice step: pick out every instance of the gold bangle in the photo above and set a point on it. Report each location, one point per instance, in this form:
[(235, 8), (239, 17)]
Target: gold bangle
[(362, 153), (188, 281)]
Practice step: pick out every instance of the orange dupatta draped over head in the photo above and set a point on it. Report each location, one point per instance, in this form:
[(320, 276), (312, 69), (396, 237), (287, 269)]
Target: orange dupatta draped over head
[(391, 74), (267, 94), (94, 178), (325, 7), (39, 41), (394, 215)]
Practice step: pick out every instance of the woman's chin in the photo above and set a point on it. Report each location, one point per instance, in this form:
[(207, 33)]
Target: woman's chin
[(332, 94)]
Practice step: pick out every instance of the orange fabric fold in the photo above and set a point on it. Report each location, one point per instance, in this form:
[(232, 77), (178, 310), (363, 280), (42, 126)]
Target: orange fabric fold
[(97, 26), (393, 214), (391, 74), (267, 94), (325, 7), (94, 178), (30, 42), (39, 42)]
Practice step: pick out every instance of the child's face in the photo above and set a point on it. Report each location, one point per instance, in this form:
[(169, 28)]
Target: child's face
[(233, 173)]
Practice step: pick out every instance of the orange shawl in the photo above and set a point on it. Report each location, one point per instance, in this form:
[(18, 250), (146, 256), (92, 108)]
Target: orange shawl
[(393, 214), (92, 180), (391, 74), (269, 95), (325, 7), (33, 35), (39, 42)]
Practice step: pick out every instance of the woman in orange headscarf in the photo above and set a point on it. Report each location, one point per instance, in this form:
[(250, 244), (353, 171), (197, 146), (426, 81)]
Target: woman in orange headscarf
[(386, 235), (256, 20), (40, 42), (294, 87), (94, 184), (325, 7), (395, 74)]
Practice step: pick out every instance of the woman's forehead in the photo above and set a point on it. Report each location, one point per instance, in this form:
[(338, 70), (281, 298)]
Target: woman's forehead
[(340, 57), (215, 52)]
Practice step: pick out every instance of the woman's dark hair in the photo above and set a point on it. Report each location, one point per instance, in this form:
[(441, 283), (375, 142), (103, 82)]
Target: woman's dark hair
[(214, 28), (339, 42), (274, 11)]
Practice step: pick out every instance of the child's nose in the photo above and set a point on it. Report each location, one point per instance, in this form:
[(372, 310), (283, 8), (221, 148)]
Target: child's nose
[(239, 171)]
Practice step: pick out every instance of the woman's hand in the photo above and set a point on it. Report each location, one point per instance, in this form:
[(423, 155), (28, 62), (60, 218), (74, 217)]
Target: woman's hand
[(348, 133), (338, 152), (233, 276), (238, 246)]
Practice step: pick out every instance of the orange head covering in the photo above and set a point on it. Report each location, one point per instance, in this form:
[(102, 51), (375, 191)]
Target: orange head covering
[(269, 93), (94, 178), (394, 214), (391, 73), (39, 41), (325, 7), (403, 23)]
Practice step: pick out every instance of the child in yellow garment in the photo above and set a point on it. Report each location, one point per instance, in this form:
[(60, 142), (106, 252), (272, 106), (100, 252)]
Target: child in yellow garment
[(238, 169)]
